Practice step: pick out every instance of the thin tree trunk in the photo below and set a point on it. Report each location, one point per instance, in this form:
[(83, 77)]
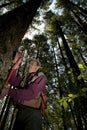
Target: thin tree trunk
[(83, 59), (60, 92), (72, 61), (9, 3), (6, 112), (82, 24), (79, 8), (76, 73), (70, 84)]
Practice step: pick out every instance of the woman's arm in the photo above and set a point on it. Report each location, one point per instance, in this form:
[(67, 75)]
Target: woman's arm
[(15, 80), (31, 92)]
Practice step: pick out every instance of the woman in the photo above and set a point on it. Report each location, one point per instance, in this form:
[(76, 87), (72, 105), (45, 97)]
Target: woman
[(27, 92)]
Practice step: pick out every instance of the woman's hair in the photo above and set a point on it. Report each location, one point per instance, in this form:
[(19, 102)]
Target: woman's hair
[(36, 60)]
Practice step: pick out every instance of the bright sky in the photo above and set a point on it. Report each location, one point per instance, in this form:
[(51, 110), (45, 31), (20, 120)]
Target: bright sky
[(52, 5), (32, 32)]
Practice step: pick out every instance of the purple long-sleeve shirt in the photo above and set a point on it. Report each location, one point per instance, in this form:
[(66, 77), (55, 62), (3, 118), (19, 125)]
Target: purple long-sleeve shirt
[(30, 92)]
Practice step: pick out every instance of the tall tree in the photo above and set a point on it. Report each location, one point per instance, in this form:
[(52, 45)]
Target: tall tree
[(13, 26)]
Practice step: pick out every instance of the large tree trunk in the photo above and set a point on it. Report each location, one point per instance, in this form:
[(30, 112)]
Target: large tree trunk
[(13, 26)]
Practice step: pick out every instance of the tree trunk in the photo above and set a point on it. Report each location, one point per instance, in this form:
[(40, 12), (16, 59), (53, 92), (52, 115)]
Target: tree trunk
[(71, 59), (78, 7), (76, 73), (83, 25), (9, 3), (60, 90), (13, 26)]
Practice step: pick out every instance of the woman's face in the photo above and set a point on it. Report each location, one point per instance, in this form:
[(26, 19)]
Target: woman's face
[(33, 67)]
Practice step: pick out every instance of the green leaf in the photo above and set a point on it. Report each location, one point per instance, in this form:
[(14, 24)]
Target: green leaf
[(65, 104), (79, 77), (81, 66), (70, 95), (84, 89), (70, 99)]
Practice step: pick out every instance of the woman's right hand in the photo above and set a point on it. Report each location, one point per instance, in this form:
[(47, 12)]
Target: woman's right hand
[(17, 59)]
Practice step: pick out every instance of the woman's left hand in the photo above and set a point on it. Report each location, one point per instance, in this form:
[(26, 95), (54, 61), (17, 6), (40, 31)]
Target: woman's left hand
[(4, 92)]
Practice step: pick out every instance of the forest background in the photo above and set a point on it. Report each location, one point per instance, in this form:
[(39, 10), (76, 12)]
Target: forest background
[(54, 31)]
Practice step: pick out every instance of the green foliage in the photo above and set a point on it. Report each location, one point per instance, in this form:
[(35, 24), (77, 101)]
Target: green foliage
[(65, 100), (81, 66), (84, 89), (70, 97)]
